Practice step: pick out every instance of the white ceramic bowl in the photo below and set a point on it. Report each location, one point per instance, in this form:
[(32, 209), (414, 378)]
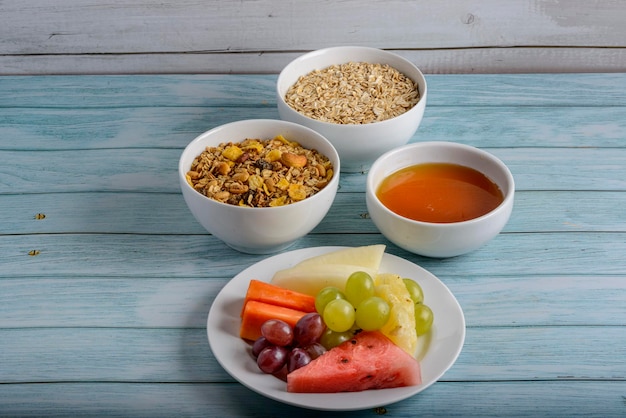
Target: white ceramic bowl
[(358, 145), (439, 239), (259, 230)]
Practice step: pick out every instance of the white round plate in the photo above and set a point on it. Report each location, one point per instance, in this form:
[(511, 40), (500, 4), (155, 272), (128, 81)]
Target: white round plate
[(437, 354)]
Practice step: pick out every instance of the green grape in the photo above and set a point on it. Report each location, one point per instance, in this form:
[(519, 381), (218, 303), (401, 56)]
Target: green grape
[(359, 287), (326, 295), (372, 314), (415, 291), (423, 319), (330, 338), (339, 315)]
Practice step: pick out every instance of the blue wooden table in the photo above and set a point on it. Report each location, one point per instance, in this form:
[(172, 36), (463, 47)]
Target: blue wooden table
[(106, 280)]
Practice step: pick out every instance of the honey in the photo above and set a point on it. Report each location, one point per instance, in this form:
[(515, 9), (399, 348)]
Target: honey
[(439, 193)]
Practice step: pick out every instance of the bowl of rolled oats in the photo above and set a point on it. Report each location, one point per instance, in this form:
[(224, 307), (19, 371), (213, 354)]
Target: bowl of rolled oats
[(259, 185), (365, 101)]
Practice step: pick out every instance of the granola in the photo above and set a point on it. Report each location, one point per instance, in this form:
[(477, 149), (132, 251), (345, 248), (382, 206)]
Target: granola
[(353, 93), (260, 173)]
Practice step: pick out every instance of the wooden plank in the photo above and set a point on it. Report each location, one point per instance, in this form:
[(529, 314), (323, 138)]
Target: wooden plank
[(139, 91), (108, 355), (174, 127), (549, 169), (116, 128), (487, 299), (256, 92), (183, 355), (173, 256), (120, 26), (568, 300), (166, 213), (445, 399), (156, 170), (524, 126), (107, 302), (225, 37), (511, 60)]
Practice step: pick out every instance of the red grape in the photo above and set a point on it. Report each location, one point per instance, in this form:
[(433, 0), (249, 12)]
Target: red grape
[(259, 345), (277, 332), (298, 357), (308, 329), (271, 359), (315, 350)]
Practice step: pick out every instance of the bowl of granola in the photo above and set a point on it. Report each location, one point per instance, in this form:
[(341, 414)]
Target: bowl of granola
[(259, 185), (365, 101)]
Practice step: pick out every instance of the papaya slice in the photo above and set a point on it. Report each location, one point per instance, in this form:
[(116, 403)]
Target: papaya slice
[(279, 296), (255, 313)]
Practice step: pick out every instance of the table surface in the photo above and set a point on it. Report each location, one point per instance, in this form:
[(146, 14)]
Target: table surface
[(106, 279)]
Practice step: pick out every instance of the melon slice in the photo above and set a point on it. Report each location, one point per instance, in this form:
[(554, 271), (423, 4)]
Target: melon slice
[(367, 361), (368, 257), (311, 279)]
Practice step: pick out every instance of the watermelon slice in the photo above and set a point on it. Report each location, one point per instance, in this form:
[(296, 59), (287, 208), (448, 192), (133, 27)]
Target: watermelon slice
[(368, 361)]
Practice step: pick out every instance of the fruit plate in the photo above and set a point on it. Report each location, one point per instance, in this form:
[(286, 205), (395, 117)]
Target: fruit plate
[(437, 352)]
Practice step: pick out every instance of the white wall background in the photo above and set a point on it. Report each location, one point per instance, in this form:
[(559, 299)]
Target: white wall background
[(261, 36)]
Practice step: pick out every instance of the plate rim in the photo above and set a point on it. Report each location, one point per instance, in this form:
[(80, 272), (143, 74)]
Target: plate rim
[(320, 401)]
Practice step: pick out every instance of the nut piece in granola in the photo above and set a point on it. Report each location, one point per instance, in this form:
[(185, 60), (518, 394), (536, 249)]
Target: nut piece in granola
[(353, 93), (259, 173)]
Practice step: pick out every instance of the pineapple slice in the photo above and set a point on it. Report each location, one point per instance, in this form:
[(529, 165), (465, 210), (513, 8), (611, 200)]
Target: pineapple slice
[(400, 328)]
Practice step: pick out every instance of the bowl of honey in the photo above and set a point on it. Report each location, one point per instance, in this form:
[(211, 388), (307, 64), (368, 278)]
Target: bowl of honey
[(439, 199)]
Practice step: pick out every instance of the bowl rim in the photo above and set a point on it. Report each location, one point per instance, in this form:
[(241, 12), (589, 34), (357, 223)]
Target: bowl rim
[(507, 201), (313, 53), (182, 171)]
